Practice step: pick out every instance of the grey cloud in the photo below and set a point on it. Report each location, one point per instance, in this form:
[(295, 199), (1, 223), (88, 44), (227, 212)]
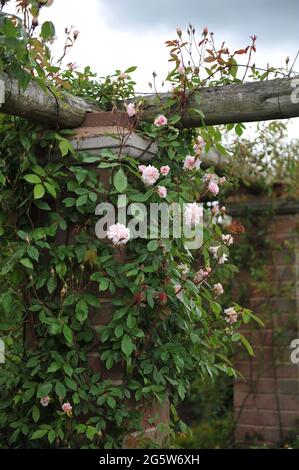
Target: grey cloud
[(274, 21)]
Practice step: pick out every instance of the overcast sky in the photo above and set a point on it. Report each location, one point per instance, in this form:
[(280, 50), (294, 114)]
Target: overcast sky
[(120, 33)]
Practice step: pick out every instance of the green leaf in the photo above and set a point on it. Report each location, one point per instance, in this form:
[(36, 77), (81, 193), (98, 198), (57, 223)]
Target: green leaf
[(111, 402), (131, 69), (120, 181), (51, 190), (69, 202), (90, 432), (118, 331), (47, 30), (33, 252), (67, 333), (127, 345), (32, 178), (82, 200), (60, 390), (247, 345), (39, 434), (81, 311), (26, 263), (51, 284), (39, 191), (42, 205), (51, 436), (35, 413), (70, 383), (44, 390), (54, 367), (65, 147), (153, 245)]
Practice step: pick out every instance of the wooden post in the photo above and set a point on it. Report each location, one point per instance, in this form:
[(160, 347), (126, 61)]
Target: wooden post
[(242, 102)]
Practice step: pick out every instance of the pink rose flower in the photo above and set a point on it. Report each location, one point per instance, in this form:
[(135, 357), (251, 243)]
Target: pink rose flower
[(44, 401), (123, 76), (193, 214), (218, 289), (162, 191), (222, 180), (131, 111), (191, 163), (201, 275), (119, 234), (231, 315), (164, 170), (150, 174), (160, 121), (67, 408), (213, 188), (181, 69)]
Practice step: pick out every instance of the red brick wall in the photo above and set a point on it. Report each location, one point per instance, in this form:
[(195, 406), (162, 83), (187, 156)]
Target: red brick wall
[(266, 401)]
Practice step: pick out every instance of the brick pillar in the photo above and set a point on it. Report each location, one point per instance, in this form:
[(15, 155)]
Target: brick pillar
[(113, 130), (266, 401)]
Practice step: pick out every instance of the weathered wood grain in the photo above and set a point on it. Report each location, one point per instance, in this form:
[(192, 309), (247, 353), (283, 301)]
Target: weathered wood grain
[(246, 102)]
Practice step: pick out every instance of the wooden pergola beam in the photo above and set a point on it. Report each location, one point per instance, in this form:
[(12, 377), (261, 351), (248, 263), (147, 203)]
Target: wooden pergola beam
[(245, 102)]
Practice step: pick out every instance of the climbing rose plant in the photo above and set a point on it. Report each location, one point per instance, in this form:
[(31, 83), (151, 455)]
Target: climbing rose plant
[(167, 323)]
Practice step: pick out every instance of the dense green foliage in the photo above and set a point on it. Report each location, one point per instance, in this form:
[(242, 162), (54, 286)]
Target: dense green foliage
[(167, 323)]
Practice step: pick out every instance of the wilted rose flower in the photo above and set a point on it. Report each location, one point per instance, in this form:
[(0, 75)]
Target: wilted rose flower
[(119, 234), (227, 239), (218, 289), (191, 163), (150, 174), (162, 191), (131, 110), (178, 290), (193, 214), (231, 315), (164, 170), (199, 145), (67, 408), (222, 180), (160, 121), (213, 188), (44, 401), (163, 297), (76, 34)]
